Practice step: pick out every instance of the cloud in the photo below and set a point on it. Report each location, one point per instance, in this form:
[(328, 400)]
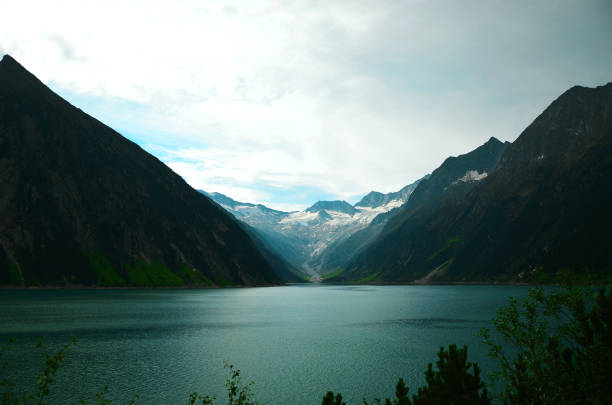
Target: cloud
[(270, 177), (67, 50), (340, 97)]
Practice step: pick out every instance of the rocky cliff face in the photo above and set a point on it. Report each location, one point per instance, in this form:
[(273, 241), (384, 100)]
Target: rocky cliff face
[(80, 204)]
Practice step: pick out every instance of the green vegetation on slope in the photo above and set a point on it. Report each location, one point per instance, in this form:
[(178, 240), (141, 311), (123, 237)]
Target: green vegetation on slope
[(106, 275), (448, 244), (223, 282), (14, 275), (143, 274), (155, 274), (369, 278), (334, 274)]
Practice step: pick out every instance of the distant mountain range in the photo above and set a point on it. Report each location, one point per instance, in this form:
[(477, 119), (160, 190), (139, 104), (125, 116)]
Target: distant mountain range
[(302, 237), (82, 205)]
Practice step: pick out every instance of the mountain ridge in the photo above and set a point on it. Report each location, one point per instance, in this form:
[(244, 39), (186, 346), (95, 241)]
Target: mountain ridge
[(375, 198), (337, 205)]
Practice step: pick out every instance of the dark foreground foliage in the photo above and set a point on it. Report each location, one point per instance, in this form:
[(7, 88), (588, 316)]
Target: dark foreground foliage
[(563, 347), (553, 348), (53, 361), (237, 392), (452, 382)]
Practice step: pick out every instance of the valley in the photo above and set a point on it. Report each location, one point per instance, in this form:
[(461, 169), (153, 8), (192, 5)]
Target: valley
[(305, 237), (504, 212), (92, 208)]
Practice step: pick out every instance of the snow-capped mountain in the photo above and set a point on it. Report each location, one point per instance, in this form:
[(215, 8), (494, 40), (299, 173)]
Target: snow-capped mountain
[(376, 199), (339, 206), (301, 236)]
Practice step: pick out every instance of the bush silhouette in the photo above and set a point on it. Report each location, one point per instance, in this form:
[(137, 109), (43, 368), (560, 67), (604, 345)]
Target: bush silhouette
[(454, 381), (329, 399), (564, 347)]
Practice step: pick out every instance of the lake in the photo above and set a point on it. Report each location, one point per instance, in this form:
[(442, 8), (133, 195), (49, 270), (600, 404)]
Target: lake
[(295, 342)]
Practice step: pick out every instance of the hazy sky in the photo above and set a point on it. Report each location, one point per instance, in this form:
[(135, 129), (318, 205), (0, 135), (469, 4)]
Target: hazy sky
[(288, 102)]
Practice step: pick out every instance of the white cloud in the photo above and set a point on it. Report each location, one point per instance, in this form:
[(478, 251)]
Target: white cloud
[(345, 96)]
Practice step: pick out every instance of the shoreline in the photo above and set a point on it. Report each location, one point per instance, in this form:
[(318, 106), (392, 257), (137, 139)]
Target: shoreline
[(411, 283), (94, 287), (391, 283)]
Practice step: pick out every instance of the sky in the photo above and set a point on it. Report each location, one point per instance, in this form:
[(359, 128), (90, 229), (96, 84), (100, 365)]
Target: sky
[(289, 102)]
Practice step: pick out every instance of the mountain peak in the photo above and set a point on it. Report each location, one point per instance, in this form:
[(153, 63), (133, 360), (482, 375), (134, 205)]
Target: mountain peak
[(8, 65), (340, 206), (17, 81), (6, 58), (372, 199), (375, 199)]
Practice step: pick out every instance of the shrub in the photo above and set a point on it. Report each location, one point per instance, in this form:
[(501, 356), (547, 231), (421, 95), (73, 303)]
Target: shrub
[(53, 360), (561, 347), (452, 382)]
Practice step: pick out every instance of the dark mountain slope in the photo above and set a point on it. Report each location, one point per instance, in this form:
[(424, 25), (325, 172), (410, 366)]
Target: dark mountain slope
[(455, 177), (284, 270), (80, 204), (545, 207), (281, 267)]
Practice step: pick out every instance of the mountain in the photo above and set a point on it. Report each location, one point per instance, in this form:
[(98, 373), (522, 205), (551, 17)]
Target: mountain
[(456, 175), (341, 251), (301, 237), (284, 270), (338, 206), (545, 207), (375, 199), (82, 205)]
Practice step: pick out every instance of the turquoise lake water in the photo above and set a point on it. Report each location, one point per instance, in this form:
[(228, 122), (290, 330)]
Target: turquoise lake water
[(294, 342)]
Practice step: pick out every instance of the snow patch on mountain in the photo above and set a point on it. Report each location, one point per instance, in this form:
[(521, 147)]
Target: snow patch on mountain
[(472, 175), (301, 236)]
